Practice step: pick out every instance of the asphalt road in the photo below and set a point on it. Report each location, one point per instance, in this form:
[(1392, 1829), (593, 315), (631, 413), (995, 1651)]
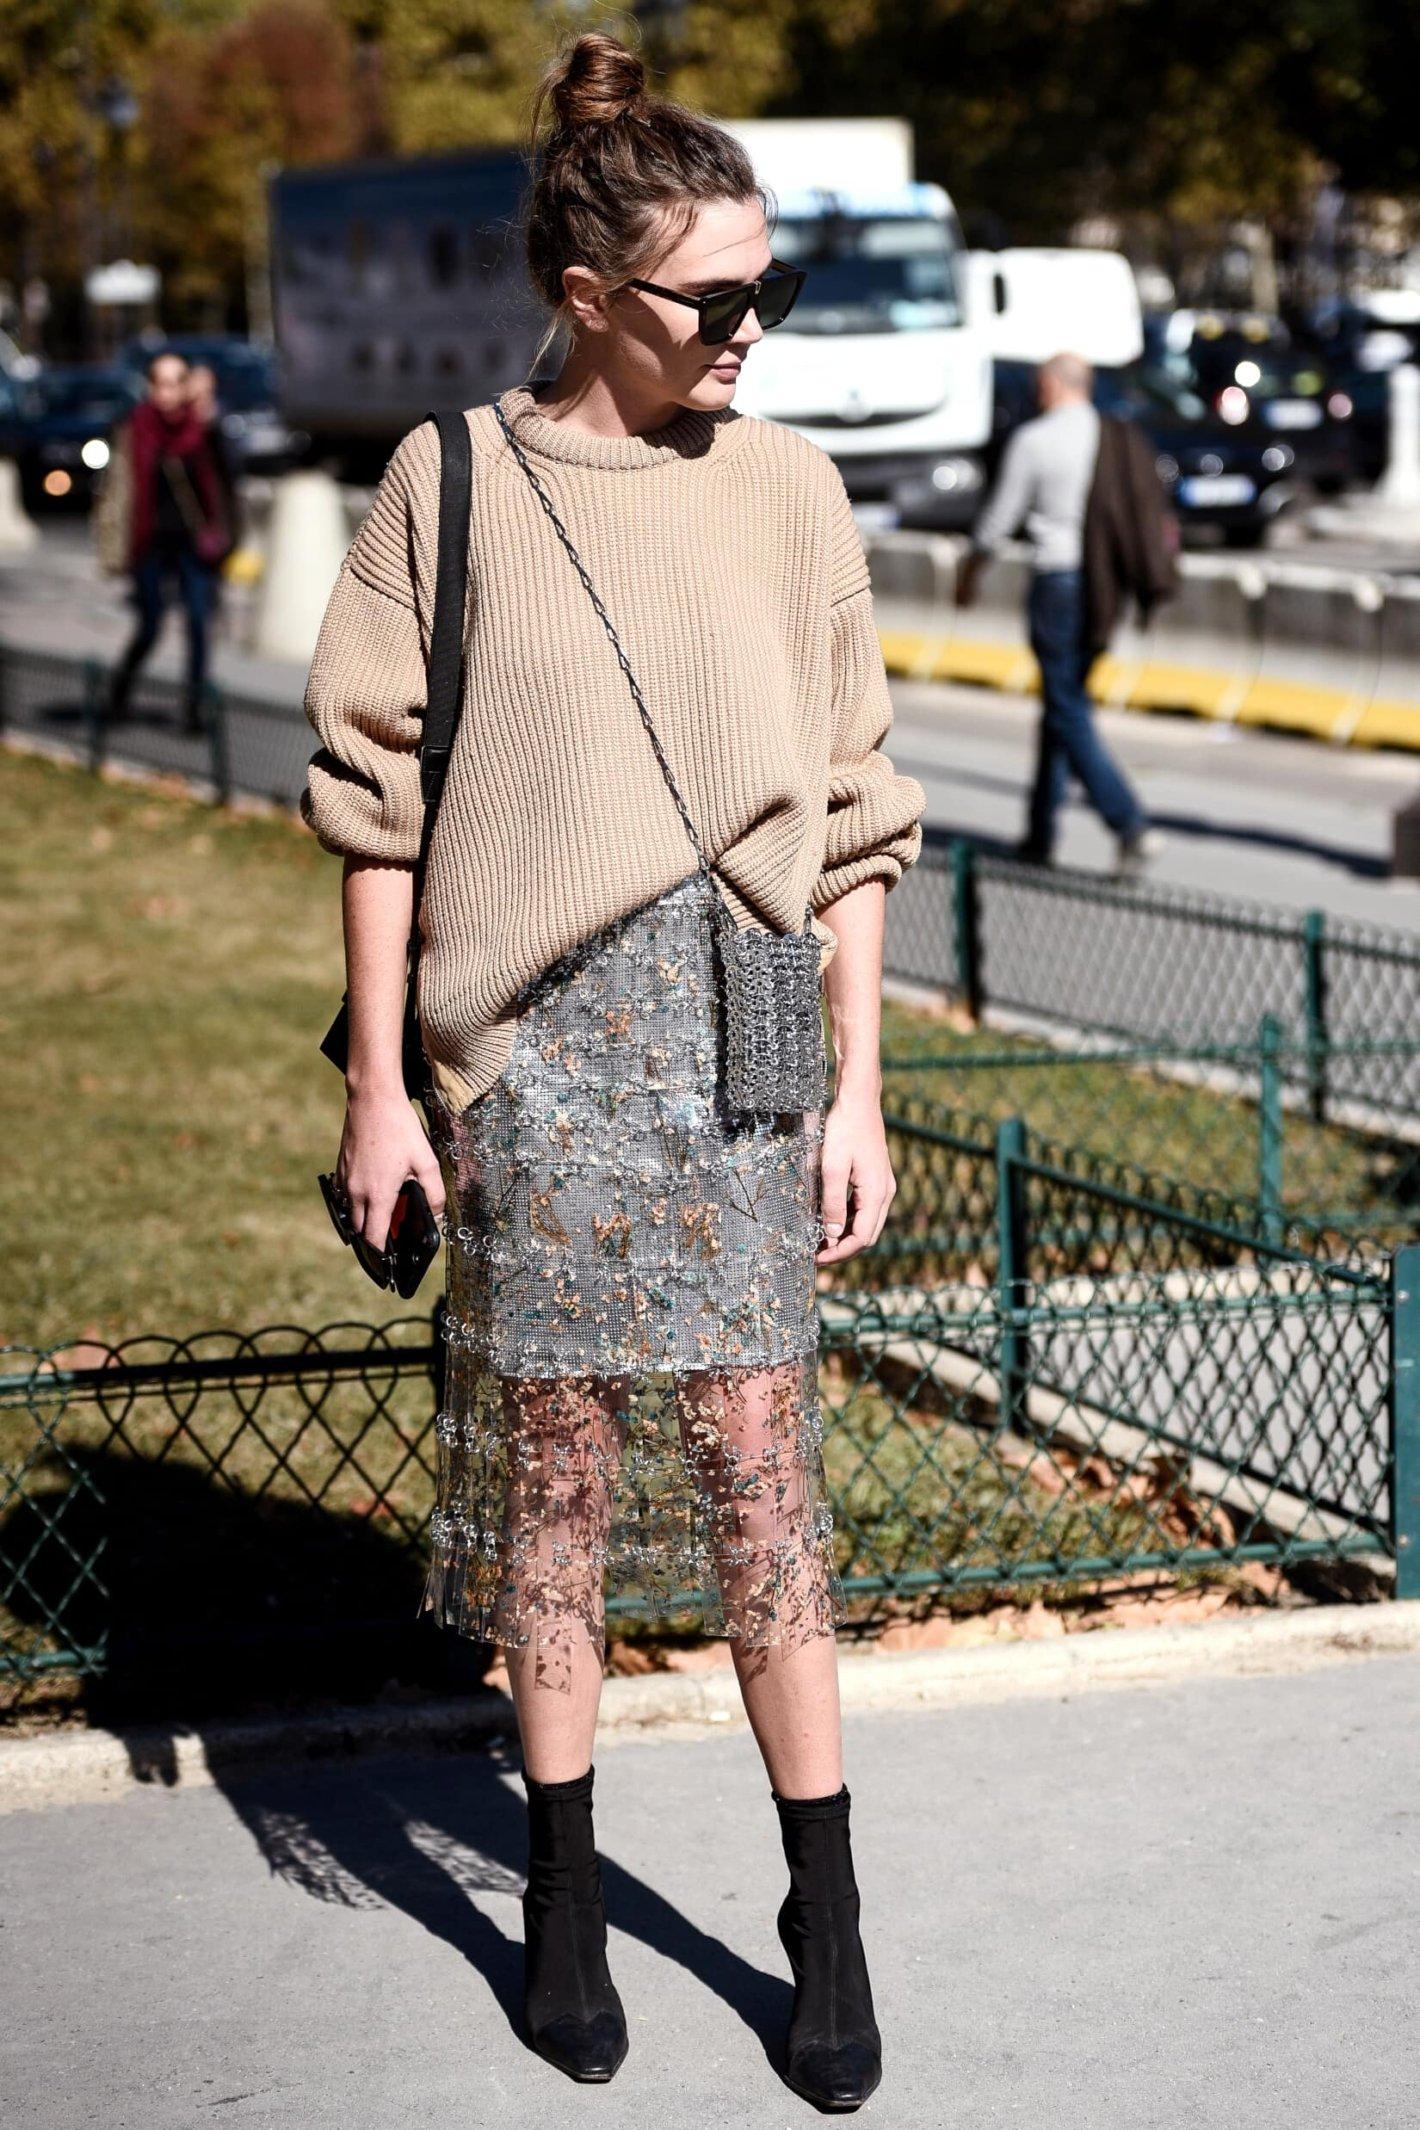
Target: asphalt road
[(1188, 1904), (1245, 813)]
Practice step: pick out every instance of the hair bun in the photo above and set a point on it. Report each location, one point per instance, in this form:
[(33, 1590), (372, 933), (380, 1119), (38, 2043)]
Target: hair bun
[(600, 82)]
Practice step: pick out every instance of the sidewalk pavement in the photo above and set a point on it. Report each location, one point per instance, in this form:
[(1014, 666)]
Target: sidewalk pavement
[(1182, 1904)]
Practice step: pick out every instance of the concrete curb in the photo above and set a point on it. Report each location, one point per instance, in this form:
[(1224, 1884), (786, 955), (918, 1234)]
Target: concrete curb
[(80, 1767)]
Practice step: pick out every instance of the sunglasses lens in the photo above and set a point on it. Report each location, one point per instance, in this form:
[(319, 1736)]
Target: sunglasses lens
[(720, 316), (776, 299), (723, 315)]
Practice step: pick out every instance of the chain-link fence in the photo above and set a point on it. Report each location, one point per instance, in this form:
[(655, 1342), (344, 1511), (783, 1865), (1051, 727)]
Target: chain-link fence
[(1078, 952), (1056, 1382), (1324, 1136)]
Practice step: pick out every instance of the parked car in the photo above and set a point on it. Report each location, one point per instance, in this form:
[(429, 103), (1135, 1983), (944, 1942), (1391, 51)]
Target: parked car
[(1250, 372), (58, 429), (259, 440), (1236, 477)]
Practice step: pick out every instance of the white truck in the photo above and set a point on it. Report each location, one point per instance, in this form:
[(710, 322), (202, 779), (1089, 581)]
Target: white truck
[(883, 360)]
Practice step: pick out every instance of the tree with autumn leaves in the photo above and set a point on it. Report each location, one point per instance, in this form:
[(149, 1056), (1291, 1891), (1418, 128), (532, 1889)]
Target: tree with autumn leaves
[(1034, 115)]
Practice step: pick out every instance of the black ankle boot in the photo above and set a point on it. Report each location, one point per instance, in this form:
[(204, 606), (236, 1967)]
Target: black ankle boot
[(573, 2012), (834, 2049)]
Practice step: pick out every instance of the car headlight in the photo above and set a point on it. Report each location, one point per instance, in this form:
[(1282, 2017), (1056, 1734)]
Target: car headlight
[(95, 454), (1166, 468), (1278, 457), (956, 476)]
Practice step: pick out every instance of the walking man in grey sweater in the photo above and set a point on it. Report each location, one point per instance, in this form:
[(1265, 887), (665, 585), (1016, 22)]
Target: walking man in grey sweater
[(1044, 480)]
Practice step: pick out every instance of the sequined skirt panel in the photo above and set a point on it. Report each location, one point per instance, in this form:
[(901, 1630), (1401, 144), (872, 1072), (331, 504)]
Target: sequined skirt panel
[(631, 1382)]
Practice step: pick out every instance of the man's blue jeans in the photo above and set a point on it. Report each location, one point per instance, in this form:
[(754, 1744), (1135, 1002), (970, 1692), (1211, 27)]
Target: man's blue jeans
[(1068, 740)]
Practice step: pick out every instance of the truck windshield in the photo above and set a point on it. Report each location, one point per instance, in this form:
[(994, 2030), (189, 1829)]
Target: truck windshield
[(889, 274)]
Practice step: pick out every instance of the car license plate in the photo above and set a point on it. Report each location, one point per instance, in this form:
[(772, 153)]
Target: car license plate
[(1293, 414), (1225, 489)]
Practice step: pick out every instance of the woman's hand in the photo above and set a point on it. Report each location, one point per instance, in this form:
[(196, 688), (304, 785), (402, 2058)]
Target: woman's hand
[(854, 1156), (383, 1142)]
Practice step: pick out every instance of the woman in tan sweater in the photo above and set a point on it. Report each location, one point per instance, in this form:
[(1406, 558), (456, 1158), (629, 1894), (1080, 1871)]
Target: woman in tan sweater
[(631, 1401)]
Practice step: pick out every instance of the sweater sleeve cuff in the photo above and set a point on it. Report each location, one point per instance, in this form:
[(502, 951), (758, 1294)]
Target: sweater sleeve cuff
[(365, 698), (874, 818)]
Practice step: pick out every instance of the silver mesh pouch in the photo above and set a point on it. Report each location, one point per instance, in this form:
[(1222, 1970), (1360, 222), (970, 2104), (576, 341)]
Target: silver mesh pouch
[(773, 1015), (769, 982)]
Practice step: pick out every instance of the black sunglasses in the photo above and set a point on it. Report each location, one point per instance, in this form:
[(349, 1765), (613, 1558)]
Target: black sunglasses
[(724, 310)]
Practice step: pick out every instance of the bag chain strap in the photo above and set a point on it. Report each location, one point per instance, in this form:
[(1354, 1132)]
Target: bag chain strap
[(616, 644)]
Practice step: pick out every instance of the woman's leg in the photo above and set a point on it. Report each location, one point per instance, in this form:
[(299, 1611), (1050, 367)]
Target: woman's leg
[(749, 1443), (743, 1432), (150, 596), (565, 1444), (197, 581), (566, 1437)]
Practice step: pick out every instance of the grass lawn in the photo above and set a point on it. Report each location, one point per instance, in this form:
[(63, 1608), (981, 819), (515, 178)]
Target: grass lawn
[(170, 970)]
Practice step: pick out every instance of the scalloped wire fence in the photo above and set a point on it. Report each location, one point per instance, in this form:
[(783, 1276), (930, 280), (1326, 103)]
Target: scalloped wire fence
[(1068, 1384)]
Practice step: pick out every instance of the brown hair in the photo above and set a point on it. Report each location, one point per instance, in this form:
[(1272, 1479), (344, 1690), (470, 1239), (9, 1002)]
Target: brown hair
[(622, 173)]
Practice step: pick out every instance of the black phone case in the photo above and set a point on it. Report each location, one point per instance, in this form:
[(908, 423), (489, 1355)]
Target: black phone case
[(413, 1240)]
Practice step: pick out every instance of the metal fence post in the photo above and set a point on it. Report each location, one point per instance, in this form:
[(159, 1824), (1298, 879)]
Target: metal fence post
[(214, 709), (94, 712), (1405, 1418), (966, 925), (1013, 1264), (1269, 1126), (1314, 978)]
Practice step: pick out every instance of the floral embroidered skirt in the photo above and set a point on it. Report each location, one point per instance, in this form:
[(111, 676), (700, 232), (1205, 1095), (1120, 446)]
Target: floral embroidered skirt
[(631, 1383)]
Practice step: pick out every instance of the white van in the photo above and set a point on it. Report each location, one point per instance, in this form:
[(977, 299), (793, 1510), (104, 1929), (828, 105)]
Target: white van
[(1039, 301)]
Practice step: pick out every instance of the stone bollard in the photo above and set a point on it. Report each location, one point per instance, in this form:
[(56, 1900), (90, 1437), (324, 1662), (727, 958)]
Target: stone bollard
[(306, 543), (1405, 842), (1400, 483), (18, 531)]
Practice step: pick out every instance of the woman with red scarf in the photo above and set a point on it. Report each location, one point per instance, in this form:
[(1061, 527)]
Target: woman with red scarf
[(177, 525)]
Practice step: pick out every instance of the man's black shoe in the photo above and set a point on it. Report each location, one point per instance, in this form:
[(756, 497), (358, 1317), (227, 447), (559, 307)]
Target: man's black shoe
[(1027, 853)]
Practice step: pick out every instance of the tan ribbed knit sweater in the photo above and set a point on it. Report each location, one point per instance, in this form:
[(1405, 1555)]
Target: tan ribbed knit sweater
[(727, 557)]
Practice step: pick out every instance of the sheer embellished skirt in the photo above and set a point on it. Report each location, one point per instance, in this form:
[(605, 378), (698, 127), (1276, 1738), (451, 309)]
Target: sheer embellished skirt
[(631, 1371)]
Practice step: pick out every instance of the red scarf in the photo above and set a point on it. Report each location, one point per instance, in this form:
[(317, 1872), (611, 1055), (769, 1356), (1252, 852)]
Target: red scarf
[(154, 436)]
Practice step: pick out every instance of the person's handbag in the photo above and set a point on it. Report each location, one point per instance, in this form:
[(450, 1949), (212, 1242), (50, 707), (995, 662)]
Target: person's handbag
[(211, 537), (770, 986), (443, 703)]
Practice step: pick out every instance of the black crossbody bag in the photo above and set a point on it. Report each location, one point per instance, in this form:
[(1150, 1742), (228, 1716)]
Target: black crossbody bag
[(443, 703)]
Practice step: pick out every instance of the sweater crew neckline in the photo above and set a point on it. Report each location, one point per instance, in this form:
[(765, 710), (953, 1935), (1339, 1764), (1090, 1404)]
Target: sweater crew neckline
[(692, 435)]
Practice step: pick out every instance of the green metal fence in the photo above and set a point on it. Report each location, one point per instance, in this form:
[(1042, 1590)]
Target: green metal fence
[(1324, 1138), (1076, 951), (1056, 1383)]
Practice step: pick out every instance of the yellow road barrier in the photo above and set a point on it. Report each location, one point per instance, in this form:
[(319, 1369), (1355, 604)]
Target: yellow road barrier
[(1338, 715)]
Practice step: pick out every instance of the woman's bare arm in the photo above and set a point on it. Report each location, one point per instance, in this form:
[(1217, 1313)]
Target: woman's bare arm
[(383, 1140), (855, 1152)]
